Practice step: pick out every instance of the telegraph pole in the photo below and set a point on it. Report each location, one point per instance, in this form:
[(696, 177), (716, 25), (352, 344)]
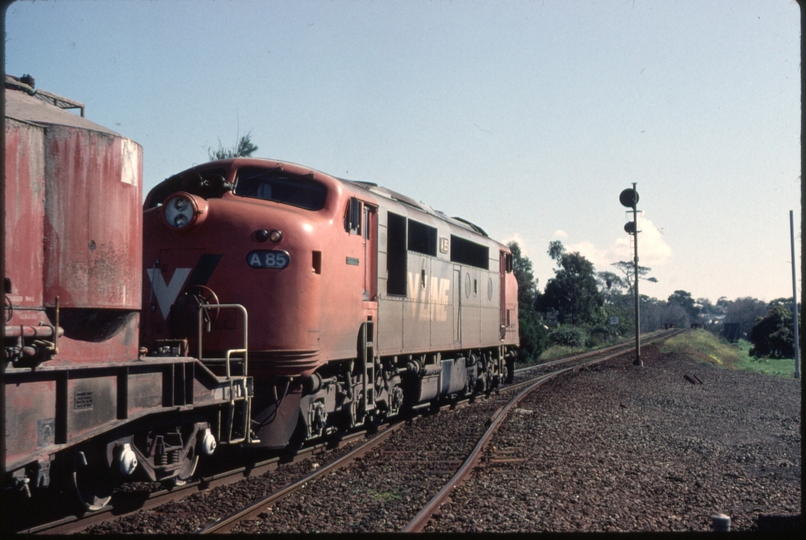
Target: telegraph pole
[(629, 198), (794, 297)]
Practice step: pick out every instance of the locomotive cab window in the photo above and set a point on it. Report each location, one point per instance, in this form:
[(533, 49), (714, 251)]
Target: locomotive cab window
[(278, 186)]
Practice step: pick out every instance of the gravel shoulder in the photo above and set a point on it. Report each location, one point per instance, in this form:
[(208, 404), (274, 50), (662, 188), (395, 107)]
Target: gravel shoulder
[(621, 448)]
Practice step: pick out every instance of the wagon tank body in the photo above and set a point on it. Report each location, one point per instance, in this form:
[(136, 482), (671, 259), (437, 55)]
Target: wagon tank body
[(73, 232), (357, 296), (82, 406)]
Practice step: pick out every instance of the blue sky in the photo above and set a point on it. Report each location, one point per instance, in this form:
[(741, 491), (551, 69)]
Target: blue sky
[(525, 117)]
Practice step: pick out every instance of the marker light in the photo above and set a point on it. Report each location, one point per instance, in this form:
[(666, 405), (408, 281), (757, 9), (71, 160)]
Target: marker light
[(183, 211)]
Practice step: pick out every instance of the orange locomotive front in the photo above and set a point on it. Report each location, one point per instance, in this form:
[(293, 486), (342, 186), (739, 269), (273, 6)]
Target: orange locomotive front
[(341, 297)]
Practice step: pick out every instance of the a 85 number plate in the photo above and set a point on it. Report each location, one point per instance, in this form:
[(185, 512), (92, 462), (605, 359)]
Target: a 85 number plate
[(268, 259)]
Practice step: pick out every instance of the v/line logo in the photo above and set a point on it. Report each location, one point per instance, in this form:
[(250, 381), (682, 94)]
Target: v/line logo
[(167, 293)]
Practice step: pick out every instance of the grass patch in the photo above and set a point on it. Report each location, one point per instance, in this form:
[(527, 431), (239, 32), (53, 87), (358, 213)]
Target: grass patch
[(382, 496), (559, 351), (706, 347), (781, 367)]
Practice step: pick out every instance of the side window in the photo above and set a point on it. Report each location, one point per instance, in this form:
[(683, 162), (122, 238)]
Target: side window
[(396, 255), (422, 238), (466, 252)]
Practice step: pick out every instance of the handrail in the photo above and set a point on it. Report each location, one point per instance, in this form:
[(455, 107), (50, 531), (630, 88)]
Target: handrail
[(244, 350), (232, 382)]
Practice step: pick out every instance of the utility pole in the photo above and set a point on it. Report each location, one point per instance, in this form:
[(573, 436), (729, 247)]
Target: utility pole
[(794, 296), (629, 198)]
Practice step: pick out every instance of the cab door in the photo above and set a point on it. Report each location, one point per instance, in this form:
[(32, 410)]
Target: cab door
[(369, 232), (505, 264), (457, 305)]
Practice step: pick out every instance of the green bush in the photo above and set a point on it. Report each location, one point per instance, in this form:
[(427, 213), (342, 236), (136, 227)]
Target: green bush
[(772, 335), (599, 335), (533, 335), (568, 336)]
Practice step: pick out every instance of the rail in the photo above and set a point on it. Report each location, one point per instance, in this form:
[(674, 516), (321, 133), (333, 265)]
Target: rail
[(418, 523), (226, 524)]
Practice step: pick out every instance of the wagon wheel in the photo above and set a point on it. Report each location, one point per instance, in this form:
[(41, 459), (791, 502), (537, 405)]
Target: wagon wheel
[(186, 472), (208, 297), (93, 478)]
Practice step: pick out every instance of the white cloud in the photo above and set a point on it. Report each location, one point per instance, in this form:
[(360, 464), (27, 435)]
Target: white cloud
[(653, 251), (559, 233), (652, 247)]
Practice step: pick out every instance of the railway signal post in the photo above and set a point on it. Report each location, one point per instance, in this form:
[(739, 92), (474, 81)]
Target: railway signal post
[(629, 198)]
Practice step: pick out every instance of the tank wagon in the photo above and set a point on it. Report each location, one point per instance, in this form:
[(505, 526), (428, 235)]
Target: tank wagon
[(83, 405), (361, 302)]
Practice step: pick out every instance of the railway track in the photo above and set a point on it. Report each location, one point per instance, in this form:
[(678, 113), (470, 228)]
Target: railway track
[(418, 523), (438, 465), (457, 467)]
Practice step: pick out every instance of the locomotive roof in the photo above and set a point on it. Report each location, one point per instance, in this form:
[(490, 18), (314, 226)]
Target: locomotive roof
[(373, 188), (25, 104), (408, 201)]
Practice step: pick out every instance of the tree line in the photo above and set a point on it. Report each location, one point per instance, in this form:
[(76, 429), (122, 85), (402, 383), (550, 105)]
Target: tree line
[(581, 307)]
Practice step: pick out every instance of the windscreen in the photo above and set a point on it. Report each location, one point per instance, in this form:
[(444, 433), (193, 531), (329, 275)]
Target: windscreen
[(279, 186)]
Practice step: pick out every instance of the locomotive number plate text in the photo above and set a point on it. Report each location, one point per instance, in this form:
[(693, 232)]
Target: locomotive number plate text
[(268, 259)]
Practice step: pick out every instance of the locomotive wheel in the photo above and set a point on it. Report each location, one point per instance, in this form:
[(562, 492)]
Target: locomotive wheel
[(357, 412), (93, 478), (396, 400)]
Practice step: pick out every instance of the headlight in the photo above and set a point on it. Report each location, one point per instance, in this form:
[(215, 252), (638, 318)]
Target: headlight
[(183, 211)]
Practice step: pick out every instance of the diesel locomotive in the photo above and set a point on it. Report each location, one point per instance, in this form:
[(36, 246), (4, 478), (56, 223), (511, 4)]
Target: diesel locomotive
[(359, 302)]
